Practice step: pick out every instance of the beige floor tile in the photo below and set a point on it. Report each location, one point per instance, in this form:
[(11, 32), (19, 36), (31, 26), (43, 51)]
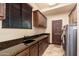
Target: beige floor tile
[(54, 50)]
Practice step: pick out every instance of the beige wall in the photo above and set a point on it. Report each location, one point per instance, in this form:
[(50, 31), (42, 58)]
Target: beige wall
[(64, 18), (10, 34)]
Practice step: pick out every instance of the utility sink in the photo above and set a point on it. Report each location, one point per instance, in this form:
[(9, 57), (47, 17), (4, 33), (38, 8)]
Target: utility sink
[(28, 41)]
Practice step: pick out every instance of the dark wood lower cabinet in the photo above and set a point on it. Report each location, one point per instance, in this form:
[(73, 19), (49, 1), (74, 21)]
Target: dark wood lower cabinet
[(43, 44), (36, 49), (41, 48), (24, 53)]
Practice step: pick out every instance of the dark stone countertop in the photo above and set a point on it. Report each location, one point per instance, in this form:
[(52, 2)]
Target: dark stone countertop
[(37, 39), (11, 51), (10, 43)]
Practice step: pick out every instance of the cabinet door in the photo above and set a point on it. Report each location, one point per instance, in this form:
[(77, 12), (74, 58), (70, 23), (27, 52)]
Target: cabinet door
[(34, 50), (35, 19), (2, 11), (41, 47), (73, 16), (24, 53), (39, 19), (42, 20), (26, 16), (43, 44), (15, 15)]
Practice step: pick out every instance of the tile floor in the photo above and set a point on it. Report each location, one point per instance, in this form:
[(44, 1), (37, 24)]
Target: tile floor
[(54, 50)]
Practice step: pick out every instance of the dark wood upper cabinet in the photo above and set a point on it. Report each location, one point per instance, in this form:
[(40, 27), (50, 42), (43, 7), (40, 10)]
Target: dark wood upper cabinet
[(2, 11), (39, 19), (18, 15), (73, 16), (26, 14)]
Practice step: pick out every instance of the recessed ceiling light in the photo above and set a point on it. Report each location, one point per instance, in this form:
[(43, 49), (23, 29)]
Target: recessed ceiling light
[(51, 4)]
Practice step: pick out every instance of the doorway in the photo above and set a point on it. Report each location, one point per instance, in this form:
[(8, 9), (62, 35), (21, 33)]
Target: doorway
[(56, 31)]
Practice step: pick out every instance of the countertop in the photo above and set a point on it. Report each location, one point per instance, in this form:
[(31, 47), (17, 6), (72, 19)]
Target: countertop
[(13, 42), (12, 51)]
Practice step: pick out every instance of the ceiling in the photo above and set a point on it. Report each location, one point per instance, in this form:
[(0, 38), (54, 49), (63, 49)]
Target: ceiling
[(44, 5), (56, 8)]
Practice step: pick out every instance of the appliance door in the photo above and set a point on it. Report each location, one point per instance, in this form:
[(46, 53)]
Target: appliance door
[(71, 41)]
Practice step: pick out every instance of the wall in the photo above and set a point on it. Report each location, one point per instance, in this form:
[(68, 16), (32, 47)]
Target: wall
[(10, 34), (50, 18)]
